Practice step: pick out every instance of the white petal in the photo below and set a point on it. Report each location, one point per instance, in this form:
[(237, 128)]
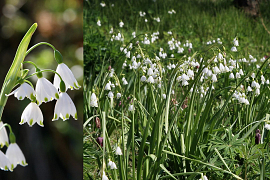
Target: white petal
[(3, 135), (45, 91), (67, 76), (15, 155), (4, 162)]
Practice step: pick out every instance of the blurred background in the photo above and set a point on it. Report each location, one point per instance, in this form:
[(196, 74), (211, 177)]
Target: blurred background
[(55, 150)]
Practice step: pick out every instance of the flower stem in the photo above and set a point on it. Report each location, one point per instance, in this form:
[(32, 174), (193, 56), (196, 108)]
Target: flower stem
[(38, 44)]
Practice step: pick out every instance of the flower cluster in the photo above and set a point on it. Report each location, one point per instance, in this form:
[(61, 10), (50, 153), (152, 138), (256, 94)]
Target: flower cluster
[(45, 91)]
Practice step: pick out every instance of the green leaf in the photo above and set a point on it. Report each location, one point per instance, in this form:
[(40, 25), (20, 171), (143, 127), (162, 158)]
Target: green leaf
[(14, 71)]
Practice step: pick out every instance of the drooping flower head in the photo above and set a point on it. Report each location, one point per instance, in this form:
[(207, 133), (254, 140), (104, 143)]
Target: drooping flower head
[(4, 162), (15, 155), (67, 77), (45, 91), (64, 107), (32, 114), (24, 90)]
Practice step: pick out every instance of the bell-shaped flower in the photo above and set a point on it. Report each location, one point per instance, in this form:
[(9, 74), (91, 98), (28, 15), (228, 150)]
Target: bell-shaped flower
[(4, 162), (64, 107), (110, 94), (118, 151), (45, 91), (112, 165), (3, 135), (15, 155), (32, 114), (93, 100), (104, 177), (25, 90), (67, 77), (118, 95)]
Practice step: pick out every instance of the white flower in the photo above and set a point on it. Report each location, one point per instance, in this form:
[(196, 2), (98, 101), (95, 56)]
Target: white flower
[(25, 90), (67, 76), (151, 79), (118, 95), (4, 162), (124, 81), (45, 91), (112, 165), (204, 178), (214, 78), (216, 70), (118, 151), (257, 91), (93, 100), (110, 95), (237, 75), (249, 89), (64, 107), (15, 155), (108, 86), (241, 72), (32, 114), (150, 72), (231, 76), (131, 107), (98, 23), (143, 78), (164, 96), (104, 177), (103, 4), (233, 49), (253, 75), (235, 42), (3, 136), (121, 24), (128, 54), (267, 126)]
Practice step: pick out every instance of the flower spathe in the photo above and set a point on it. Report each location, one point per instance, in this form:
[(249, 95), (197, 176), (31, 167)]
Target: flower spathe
[(15, 155), (64, 107), (67, 76), (32, 114), (3, 136), (45, 91), (4, 162), (24, 90)]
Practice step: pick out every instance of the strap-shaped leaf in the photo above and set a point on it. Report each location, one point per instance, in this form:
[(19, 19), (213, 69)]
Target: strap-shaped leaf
[(14, 69)]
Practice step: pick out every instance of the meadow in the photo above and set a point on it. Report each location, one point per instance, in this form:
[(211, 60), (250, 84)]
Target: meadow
[(175, 90)]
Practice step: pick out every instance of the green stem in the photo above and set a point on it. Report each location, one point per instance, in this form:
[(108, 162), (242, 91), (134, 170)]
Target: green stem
[(45, 70), (38, 44), (31, 63)]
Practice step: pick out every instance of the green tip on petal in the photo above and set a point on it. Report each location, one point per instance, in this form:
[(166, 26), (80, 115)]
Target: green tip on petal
[(21, 121), (45, 99), (67, 116), (57, 95), (32, 97), (6, 168), (76, 116), (41, 123), (31, 122), (2, 145), (55, 117), (7, 144), (20, 97), (12, 167)]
